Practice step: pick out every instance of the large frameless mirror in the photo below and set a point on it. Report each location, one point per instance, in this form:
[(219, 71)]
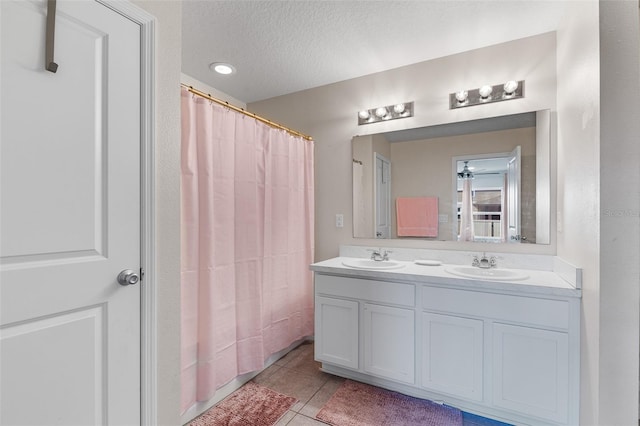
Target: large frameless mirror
[(411, 183)]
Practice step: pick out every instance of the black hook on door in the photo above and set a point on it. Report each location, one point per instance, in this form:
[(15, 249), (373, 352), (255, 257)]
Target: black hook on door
[(50, 65)]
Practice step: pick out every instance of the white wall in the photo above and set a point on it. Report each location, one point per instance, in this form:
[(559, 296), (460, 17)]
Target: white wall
[(167, 153), (329, 114), (599, 199), (578, 180), (619, 211)]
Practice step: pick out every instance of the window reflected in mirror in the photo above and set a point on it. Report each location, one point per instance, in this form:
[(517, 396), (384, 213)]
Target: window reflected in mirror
[(491, 178)]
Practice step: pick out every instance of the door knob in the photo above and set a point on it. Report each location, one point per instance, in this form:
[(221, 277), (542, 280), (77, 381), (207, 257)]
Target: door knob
[(128, 277)]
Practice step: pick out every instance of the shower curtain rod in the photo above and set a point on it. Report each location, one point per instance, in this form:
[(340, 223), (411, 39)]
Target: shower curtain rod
[(242, 111)]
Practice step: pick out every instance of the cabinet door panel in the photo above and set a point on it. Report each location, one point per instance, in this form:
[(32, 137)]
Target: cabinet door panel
[(336, 339), (531, 371), (389, 348), (452, 355)]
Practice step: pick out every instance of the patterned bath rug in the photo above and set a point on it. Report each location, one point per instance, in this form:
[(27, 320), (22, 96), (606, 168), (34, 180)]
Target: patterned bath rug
[(358, 404), (251, 405)]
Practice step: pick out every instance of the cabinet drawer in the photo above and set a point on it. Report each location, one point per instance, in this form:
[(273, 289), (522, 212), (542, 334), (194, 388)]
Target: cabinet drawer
[(527, 310), (370, 290)]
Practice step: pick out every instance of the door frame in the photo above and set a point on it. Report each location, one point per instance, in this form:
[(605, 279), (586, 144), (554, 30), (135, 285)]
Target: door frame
[(148, 293), (454, 182)]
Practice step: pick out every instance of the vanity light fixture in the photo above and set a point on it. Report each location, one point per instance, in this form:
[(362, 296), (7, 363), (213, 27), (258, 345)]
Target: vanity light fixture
[(462, 97), (398, 108), (381, 112), (485, 93), (389, 112), (512, 89)]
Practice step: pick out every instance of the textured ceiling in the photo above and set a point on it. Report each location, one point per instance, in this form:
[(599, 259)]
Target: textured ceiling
[(281, 47)]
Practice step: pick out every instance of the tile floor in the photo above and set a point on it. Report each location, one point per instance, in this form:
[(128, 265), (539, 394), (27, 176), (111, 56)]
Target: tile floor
[(298, 375)]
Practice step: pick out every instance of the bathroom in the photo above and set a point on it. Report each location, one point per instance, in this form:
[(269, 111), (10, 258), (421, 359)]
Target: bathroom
[(581, 102), (596, 225), (576, 81)]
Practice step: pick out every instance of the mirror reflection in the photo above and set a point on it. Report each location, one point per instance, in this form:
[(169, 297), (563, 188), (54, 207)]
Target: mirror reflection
[(412, 184)]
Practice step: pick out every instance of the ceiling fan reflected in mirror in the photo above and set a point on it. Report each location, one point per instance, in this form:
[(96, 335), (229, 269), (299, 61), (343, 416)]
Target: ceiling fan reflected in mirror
[(465, 173)]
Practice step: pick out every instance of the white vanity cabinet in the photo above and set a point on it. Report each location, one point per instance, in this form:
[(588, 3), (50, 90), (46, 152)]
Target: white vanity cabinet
[(531, 371), (452, 355), (388, 342), (336, 337), (526, 340), (489, 349), (366, 325)]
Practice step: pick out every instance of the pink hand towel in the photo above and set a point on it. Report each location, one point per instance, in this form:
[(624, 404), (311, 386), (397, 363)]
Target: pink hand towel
[(417, 216)]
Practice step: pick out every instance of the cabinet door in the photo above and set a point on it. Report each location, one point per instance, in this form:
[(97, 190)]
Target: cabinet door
[(452, 355), (531, 371), (336, 331), (389, 336)]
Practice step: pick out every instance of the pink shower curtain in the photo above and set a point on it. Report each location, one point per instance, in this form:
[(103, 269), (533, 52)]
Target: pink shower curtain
[(247, 242)]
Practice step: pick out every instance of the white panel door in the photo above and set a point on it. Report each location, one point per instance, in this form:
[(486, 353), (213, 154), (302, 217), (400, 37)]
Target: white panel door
[(383, 196), (70, 216), (336, 331), (531, 371), (389, 342), (452, 359), (513, 196)]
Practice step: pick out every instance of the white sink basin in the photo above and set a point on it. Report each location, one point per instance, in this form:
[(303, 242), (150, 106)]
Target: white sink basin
[(487, 274), (372, 264)]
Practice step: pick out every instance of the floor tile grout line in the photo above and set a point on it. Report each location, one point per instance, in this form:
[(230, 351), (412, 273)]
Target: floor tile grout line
[(314, 394)]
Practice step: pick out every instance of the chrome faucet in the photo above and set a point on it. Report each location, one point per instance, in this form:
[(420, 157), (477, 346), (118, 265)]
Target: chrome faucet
[(379, 255), (484, 262)]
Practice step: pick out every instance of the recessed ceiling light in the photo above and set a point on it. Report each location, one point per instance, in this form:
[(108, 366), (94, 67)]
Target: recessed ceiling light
[(222, 68)]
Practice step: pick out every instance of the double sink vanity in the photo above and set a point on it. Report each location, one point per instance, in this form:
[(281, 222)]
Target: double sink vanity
[(502, 342)]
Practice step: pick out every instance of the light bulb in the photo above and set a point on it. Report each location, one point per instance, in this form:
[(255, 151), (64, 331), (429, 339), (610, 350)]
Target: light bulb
[(510, 87), (364, 114), (462, 96), (485, 91), (222, 68), (381, 112), (398, 109)]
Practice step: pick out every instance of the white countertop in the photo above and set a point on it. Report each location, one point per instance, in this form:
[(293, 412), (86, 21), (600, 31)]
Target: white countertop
[(538, 282)]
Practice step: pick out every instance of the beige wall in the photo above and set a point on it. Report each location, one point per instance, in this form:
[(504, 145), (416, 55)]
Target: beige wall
[(329, 114), (423, 168), (212, 91)]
